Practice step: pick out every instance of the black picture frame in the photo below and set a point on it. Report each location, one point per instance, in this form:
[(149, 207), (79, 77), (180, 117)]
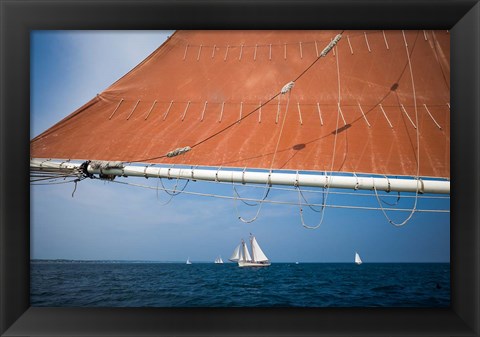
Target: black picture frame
[(18, 18)]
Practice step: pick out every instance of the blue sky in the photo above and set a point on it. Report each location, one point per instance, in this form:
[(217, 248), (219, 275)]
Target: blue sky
[(114, 221)]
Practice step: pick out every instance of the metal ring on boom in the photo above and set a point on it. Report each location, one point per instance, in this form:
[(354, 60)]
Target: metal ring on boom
[(388, 182), (145, 171), (216, 174), (168, 172), (192, 172), (422, 188)]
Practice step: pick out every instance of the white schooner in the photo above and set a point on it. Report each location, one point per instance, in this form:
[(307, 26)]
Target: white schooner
[(242, 256)]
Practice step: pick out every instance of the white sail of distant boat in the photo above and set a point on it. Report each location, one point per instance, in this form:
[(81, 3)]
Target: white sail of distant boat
[(219, 259), (188, 261), (358, 260), (241, 255)]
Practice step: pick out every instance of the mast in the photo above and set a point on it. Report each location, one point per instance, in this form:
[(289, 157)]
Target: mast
[(246, 254)]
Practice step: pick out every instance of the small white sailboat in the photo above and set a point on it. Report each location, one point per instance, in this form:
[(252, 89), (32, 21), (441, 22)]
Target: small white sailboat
[(219, 259), (358, 260), (188, 261), (242, 256)]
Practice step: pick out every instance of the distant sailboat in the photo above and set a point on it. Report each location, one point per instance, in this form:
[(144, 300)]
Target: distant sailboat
[(358, 260), (219, 260), (188, 261), (242, 256)]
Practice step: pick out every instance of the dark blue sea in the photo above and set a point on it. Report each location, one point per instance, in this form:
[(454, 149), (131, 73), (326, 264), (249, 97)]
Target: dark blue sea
[(120, 284)]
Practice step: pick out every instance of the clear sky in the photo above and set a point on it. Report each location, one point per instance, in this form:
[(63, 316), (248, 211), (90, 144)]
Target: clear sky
[(114, 221)]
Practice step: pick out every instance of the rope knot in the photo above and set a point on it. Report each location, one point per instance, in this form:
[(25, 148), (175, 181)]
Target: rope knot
[(331, 45), (180, 150), (287, 87)]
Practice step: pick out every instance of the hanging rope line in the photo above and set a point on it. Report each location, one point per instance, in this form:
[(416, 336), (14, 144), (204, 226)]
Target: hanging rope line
[(308, 204), (336, 192), (171, 193), (279, 202), (327, 186), (286, 89), (414, 208)]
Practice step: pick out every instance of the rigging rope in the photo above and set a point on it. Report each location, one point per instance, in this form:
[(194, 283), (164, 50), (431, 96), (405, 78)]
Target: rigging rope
[(412, 211), (292, 203), (286, 89), (324, 53), (322, 212)]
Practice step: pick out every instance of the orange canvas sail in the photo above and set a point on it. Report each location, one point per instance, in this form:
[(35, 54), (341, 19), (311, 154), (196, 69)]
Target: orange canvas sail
[(376, 102)]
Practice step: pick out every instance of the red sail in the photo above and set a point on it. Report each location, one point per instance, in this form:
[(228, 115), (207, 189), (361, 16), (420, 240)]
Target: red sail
[(357, 109)]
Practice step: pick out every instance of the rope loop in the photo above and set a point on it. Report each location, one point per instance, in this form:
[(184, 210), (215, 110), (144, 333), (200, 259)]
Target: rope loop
[(421, 190), (144, 172), (388, 185), (192, 172), (168, 172), (357, 184)]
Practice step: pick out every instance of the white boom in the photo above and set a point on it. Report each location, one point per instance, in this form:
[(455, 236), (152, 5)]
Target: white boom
[(253, 177)]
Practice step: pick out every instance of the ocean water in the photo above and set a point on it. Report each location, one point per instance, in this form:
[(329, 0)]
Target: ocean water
[(107, 284)]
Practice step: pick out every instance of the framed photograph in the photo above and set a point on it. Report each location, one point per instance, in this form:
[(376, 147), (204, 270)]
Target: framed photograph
[(46, 279)]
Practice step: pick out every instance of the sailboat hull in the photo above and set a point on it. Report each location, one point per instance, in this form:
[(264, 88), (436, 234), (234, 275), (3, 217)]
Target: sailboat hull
[(253, 264)]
